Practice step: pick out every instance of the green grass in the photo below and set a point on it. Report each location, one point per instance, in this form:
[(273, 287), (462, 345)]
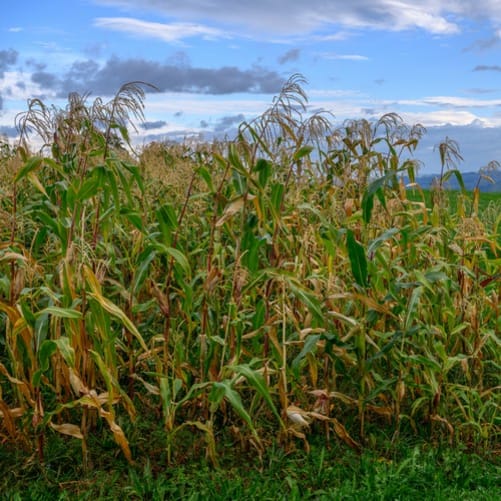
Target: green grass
[(486, 198), (413, 471), (489, 205)]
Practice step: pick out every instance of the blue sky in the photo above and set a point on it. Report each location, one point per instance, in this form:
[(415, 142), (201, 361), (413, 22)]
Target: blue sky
[(218, 62)]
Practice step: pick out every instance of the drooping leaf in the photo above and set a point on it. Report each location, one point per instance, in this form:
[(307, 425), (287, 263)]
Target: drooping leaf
[(257, 381), (307, 298), (68, 429), (110, 307), (225, 389), (377, 242), (178, 257), (310, 346)]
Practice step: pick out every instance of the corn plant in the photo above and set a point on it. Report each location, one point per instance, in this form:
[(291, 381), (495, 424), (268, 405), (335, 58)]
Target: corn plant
[(271, 287)]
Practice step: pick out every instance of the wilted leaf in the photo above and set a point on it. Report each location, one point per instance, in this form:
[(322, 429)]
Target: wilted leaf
[(110, 307), (232, 208), (68, 429), (118, 434), (344, 435)]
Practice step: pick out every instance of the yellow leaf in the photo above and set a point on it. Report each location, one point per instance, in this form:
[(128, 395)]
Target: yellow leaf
[(118, 434), (36, 182), (231, 209), (344, 435), (77, 384), (13, 412), (111, 307), (13, 256), (7, 416), (68, 429)]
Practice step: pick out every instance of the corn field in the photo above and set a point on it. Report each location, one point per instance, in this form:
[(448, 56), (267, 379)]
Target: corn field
[(271, 288)]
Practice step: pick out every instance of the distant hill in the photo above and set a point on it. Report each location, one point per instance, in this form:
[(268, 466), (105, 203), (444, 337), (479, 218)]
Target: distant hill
[(470, 180)]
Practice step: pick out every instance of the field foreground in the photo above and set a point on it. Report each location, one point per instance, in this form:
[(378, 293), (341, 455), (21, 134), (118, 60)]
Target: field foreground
[(407, 473)]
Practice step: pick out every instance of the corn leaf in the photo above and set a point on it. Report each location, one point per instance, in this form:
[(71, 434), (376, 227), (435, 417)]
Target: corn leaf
[(358, 259)]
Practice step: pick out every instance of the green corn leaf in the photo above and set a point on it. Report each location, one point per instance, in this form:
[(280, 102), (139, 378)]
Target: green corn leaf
[(457, 174), (224, 389), (27, 314), (136, 174), (302, 152), (307, 298), (206, 176), (167, 221), (377, 242), (31, 165), (144, 261), (367, 206), (112, 183), (427, 362), (89, 188), (177, 255), (47, 349), (412, 305), (358, 259), (374, 188), (56, 311), (257, 381), (277, 192), (66, 350), (235, 161), (263, 168), (310, 346), (133, 217)]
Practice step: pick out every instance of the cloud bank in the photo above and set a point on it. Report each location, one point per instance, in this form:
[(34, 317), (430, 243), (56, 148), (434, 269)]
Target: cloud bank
[(85, 76)]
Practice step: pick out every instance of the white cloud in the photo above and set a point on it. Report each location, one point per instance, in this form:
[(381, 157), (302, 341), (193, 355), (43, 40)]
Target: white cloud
[(330, 93), (347, 57), (462, 102), (296, 17), (440, 117), (204, 105), (167, 32), (420, 16), (333, 37), (450, 102)]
